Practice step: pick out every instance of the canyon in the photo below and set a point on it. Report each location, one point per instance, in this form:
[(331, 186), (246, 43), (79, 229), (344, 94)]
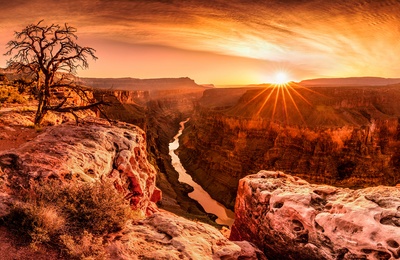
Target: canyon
[(342, 136), (159, 116), (96, 151)]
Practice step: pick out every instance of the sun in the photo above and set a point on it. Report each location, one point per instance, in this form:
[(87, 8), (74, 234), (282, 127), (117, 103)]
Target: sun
[(281, 78)]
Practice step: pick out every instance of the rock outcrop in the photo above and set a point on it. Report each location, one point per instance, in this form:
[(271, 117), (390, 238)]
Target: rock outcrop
[(90, 152), (288, 218), (167, 236), (346, 137)]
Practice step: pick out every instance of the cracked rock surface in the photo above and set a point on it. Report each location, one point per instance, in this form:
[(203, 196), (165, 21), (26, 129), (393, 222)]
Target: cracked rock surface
[(288, 218)]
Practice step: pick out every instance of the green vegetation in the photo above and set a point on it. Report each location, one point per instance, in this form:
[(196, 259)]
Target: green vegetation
[(73, 216)]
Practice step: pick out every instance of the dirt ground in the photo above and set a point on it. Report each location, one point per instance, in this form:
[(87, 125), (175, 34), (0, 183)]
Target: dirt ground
[(14, 248), (14, 136)]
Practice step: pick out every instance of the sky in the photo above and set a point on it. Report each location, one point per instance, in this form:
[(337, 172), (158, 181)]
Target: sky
[(223, 42)]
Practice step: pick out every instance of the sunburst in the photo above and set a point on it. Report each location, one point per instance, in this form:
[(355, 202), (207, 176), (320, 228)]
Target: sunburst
[(285, 94)]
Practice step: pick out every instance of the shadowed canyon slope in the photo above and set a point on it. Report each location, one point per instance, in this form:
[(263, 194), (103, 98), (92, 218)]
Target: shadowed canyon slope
[(346, 136)]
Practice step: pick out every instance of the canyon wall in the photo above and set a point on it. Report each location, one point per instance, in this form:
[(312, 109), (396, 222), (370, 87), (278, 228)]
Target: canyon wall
[(342, 136), (131, 84)]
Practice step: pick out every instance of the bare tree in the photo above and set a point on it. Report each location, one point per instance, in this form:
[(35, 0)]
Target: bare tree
[(51, 57)]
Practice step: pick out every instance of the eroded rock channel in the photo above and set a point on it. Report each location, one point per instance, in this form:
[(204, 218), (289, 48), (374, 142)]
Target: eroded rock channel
[(225, 216)]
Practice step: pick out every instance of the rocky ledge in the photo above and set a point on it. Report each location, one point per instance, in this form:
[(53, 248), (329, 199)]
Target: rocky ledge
[(167, 236), (288, 218), (91, 151)]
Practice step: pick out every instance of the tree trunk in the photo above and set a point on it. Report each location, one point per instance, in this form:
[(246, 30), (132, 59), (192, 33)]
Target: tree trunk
[(41, 109)]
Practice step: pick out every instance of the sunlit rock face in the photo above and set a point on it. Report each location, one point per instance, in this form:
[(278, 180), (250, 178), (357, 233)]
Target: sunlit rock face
[(345, 136), (92, 151), (288, 218), (167, 236)]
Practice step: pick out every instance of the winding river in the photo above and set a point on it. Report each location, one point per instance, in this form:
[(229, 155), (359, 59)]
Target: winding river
[(225, 216)]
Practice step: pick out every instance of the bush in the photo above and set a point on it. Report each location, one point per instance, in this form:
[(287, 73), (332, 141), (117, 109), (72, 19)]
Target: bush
[(61, 213), (10, 94), (96, 207), (40, 222)]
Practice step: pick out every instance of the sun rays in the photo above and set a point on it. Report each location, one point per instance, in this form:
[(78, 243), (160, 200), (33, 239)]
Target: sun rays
[(282, 102)]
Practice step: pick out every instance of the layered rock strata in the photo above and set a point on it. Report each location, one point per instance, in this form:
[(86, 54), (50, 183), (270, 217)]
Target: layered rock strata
[(288, 218), (346, 137)]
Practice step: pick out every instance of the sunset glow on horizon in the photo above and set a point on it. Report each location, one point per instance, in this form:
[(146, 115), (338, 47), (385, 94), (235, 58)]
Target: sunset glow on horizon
[(224, 42)]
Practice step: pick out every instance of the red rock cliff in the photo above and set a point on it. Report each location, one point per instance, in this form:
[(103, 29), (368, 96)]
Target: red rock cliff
[(344, 136)]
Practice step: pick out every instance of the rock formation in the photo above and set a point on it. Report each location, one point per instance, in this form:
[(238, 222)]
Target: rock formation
[(167, 236), (347, 136), (94, 151), (289, 218), (90, 152)]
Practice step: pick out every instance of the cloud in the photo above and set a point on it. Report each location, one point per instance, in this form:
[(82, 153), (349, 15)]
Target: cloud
[(333, 37)]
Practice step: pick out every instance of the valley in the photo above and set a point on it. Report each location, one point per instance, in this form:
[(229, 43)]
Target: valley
[(206, 144), (349, 137), (342, 136)]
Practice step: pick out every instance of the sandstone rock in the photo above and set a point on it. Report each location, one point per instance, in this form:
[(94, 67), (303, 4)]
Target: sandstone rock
[(167, 236), (289, 218), (90, 152)]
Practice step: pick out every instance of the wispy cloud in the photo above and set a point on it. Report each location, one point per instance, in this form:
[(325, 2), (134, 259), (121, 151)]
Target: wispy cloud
[(336, 38)]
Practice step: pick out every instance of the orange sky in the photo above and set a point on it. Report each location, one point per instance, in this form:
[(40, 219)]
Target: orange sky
[(224, 42)]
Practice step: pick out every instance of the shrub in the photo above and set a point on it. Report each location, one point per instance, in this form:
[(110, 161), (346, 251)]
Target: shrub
[(40, 222), (96, 207), (10, 94), (61, 213)]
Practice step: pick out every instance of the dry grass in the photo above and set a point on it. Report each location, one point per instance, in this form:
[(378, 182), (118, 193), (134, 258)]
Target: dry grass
[(54, 212), (87, 246), (40, 222)]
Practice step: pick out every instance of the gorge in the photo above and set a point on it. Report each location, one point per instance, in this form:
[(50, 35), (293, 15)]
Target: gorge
[(349, 137), (225, 216), (341, 136)]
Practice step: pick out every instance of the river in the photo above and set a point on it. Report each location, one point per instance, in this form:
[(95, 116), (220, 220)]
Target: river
[(225, 216)]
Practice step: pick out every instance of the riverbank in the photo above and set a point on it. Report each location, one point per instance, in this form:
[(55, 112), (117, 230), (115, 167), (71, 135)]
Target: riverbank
[(211, 206)]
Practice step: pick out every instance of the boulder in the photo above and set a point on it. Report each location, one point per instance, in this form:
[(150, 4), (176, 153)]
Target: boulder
[(91, 151), (167, 236), (288, 218)]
